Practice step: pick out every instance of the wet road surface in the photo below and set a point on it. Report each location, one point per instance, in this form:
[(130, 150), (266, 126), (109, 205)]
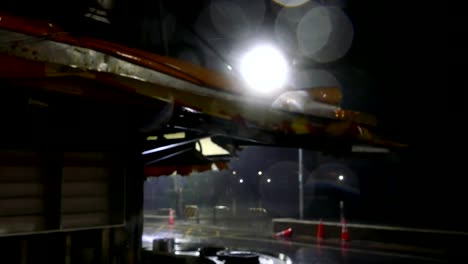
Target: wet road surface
[(189, 235)]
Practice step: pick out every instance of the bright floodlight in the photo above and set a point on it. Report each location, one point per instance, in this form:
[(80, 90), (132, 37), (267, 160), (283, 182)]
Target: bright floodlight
[(341, 177), (264, 69), (241, 181), (260, 172), (268, 180)]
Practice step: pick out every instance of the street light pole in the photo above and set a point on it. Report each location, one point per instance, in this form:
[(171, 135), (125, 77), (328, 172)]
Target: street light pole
[(341, 210), (301, 187)]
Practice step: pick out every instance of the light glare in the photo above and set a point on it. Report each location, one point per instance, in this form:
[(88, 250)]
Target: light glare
[(264, 69)]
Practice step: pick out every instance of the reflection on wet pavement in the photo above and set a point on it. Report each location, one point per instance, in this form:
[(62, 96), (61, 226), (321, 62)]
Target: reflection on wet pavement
[(192, 237)]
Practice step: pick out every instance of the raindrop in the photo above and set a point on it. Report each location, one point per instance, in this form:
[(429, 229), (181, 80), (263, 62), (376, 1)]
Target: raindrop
[(236, 19), (286, 24), (191, 56), (325, 34), (314, 78)]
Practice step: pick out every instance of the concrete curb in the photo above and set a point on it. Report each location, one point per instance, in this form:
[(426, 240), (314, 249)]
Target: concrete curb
[(436, 239)]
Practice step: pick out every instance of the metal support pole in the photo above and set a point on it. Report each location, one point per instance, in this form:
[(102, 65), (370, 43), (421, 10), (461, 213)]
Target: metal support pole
[(301, 187), (24, 252), (68, 249), (341, 210)]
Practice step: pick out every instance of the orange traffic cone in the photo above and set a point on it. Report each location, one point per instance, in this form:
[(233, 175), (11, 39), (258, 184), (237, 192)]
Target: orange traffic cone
[(320, 230), (284, 233), (344, 230), (171, 217)]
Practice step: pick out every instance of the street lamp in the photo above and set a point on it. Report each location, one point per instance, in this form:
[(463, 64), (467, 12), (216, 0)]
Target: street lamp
[(234, 172), (260, 173), (264, 69), (241, 180), (268, 180), (341, 177)]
